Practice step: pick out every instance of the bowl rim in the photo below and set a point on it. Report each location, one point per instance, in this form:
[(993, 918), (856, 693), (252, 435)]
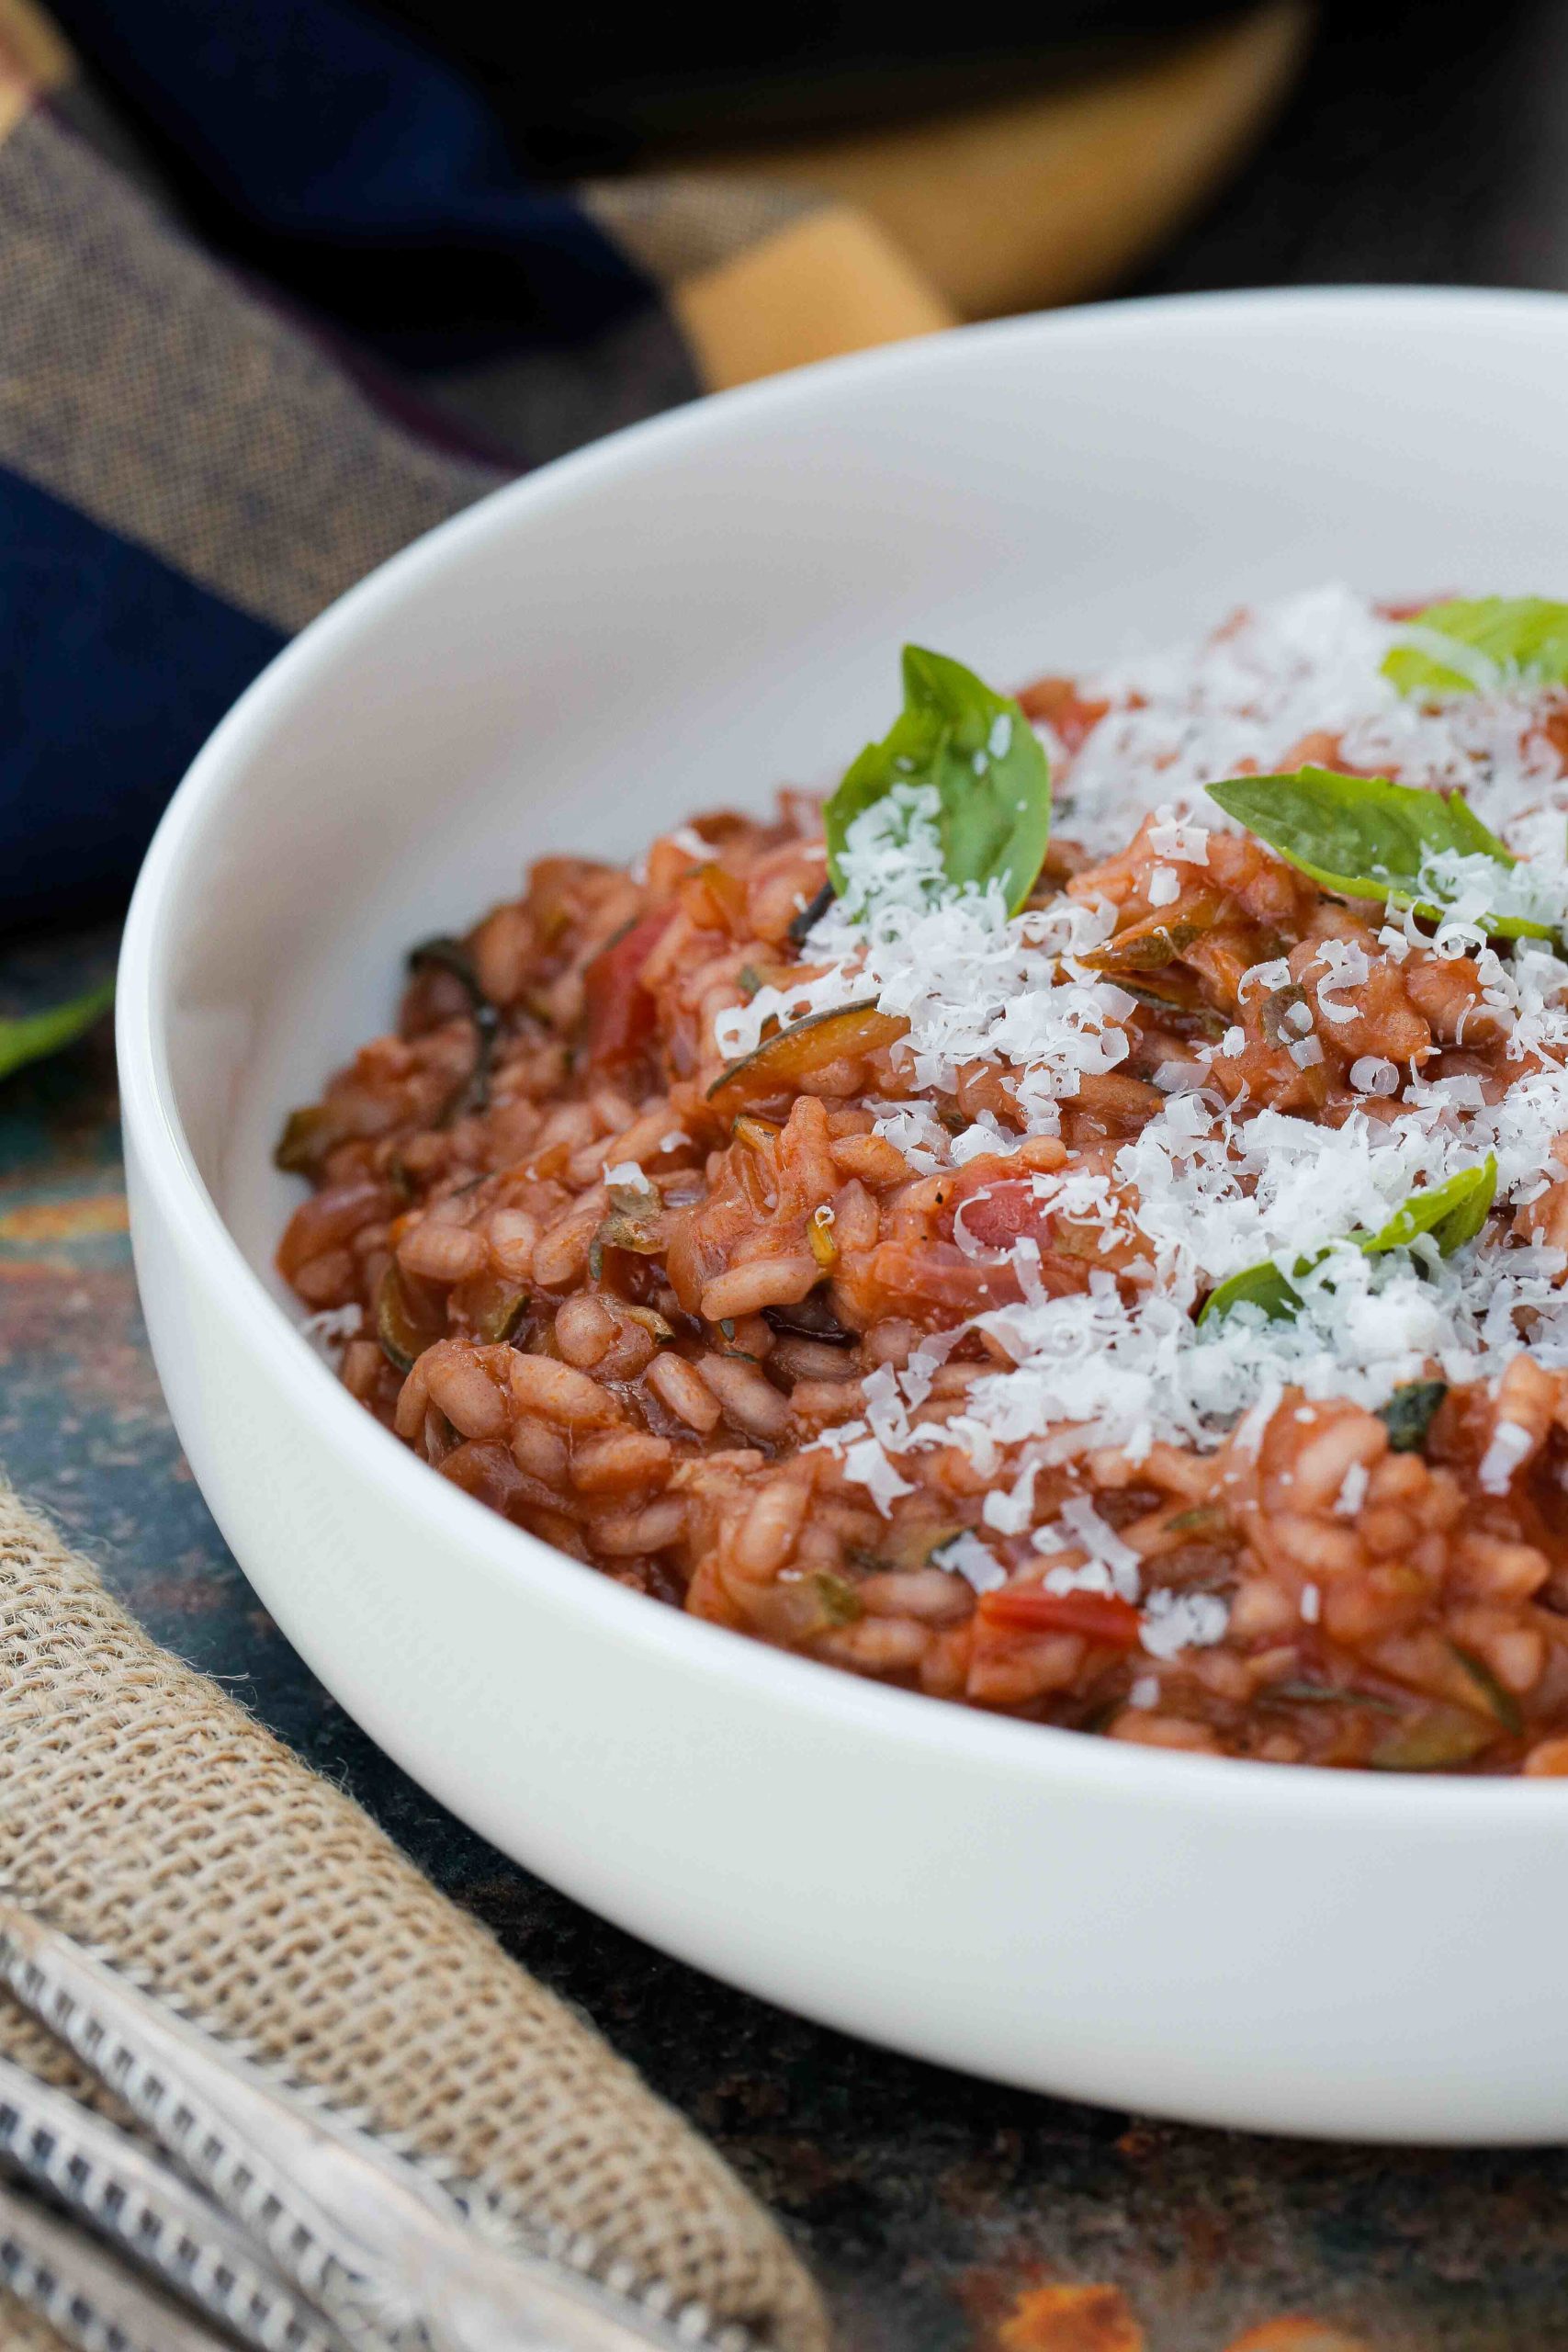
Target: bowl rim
[(1041, 1757)]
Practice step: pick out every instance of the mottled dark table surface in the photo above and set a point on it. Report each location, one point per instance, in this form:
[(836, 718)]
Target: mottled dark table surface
[(1428, 141)]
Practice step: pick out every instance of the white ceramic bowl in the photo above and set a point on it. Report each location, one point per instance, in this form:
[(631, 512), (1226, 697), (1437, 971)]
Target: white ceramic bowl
[(681, 617)]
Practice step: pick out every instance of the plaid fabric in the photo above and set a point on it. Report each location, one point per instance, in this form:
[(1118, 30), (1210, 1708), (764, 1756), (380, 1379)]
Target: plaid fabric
[(276, 300), (276, 297)]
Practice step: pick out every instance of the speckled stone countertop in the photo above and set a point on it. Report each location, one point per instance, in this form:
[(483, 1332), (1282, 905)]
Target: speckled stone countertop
[(943, 2215)]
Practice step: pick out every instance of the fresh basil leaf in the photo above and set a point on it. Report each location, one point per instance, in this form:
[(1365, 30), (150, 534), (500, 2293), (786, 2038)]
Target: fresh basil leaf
[(1515, 636), (1472, 838), (1453, 1212), (1366, 838), (35, 1036), (1263, 1285), (991, 776)]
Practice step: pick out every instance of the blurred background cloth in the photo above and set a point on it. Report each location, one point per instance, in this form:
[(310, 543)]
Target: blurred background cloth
[(285, 282)]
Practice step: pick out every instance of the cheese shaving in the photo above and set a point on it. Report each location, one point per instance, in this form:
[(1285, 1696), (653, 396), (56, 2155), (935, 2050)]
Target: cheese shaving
[(1208, 1188)]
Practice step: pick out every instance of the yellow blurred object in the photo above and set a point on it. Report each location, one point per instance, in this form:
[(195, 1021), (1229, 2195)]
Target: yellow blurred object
[(1044, 199), (33, 60), (832, 281)]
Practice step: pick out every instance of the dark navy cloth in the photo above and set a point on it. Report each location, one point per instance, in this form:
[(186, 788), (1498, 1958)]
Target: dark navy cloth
[(325, 146), (115, 669)]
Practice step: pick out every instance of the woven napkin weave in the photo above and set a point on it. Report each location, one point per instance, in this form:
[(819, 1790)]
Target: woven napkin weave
[(149, 1815)]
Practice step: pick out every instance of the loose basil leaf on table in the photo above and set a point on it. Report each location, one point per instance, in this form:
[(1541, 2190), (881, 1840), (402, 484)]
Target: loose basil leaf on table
[(32, 1036), (1506, 637), (992, 779), (1453, 1212), (1366, 838)]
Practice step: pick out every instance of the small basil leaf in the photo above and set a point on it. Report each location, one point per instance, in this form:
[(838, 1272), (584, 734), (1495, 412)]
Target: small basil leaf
[(1263, 1285), (1366, 838), (1453, 1212), (1503, 636), (991, 776), (35, 1036), (1409, 1414)]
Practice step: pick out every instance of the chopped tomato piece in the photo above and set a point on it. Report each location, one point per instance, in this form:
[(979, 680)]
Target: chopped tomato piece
[(619, 1011), (933, 1278), (1097, 1616), (996, 1215), (715, 898), (1070, 714)]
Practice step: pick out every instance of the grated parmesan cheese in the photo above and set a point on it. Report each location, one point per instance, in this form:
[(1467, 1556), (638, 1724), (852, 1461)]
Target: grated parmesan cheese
[(1353, 1491), (966, 1556), (1207, 1188), (330, 1329), (1510, 1444), (1174, 1621)]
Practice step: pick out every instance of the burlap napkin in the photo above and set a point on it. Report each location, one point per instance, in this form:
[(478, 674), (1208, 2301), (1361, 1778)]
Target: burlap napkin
[(151, 1816)]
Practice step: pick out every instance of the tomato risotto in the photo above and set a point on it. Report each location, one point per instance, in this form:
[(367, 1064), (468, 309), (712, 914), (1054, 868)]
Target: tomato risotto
[(1075, 1224)]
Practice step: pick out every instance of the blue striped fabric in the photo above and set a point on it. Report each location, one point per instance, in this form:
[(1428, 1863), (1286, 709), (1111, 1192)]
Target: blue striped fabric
[(322, 144), (250, 250)]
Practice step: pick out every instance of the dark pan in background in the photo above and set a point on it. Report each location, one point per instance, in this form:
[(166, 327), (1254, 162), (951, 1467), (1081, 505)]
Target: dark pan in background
[(591, 87)]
